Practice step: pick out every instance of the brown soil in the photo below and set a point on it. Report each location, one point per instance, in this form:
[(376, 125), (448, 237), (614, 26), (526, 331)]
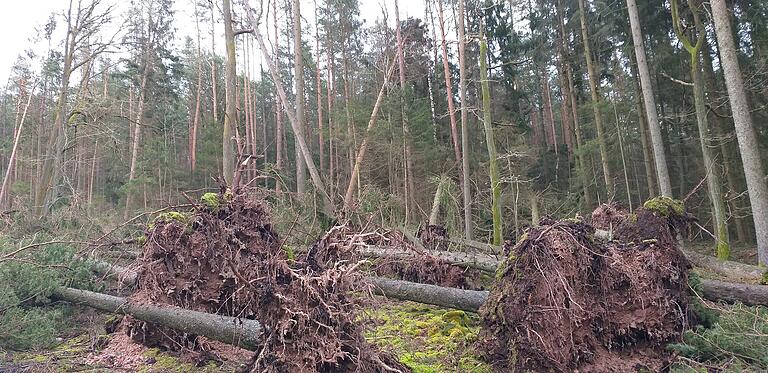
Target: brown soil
[(567, 301), (340, 243), (228, 260)]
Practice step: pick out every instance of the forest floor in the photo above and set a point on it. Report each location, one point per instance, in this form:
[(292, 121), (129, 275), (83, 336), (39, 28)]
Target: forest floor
[(427, 339)]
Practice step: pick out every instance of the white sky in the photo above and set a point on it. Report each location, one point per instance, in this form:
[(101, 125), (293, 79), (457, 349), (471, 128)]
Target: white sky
[(19, 21)]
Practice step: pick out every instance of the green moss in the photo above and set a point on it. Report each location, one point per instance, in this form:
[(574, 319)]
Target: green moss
[(428, 340), (141, 240), (211, 200), (764, 279), (166, 363), (172, 216), (664, 206), (289, 252), (723, 248)]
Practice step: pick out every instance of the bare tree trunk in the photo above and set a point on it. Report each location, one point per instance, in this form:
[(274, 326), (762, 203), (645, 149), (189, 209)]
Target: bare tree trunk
[(279, 162), (711, 174), (230, 116), (662, 173), (466, 191), (298, 76), (745, 132), (137, 132), (214, 82), (354, 177), (14, 151), (319, 94), (490, 142), (593, 85), (449, 97), (408, 172), (581, 159), (198, 93), (316, 179)]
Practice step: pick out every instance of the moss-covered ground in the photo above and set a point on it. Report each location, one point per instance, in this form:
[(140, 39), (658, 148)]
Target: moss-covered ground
[(427, 339)]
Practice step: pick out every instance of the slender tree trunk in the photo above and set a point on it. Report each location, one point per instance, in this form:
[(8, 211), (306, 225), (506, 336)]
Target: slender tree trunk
[(493, 168), (662, 173), (298, 76), (745, 132), (279, 161), (648, 159), (593, 85), (319, 95), (712, 176), (582, 158), (449, 97), (137, 133), (466, 191), (408, 172), (230, 116), (310, 164), (14, 150), (355, 176), (214, 82), (198, 93)]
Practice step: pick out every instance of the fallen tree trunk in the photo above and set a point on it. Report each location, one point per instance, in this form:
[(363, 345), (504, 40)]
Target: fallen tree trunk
[(465, 300), (483, 262), (733, 270), (238, 332), (471, 300)]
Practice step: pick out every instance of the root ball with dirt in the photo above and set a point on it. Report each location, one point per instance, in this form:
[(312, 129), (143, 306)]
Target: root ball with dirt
[(565, 300), (224, 258)]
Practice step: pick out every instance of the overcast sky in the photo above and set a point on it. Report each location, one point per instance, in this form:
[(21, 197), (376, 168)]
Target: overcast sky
[(20, 21)]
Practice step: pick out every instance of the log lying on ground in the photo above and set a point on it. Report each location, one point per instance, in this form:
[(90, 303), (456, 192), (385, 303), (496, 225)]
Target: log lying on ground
[(483, 262), (465, 300), (733, 270), (471, 300), (238, 332)]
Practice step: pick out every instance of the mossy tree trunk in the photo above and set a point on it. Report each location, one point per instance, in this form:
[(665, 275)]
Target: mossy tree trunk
[(493, 168), (712, 175)]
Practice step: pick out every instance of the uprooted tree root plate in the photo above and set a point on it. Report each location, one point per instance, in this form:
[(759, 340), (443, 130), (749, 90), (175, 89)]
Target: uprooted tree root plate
[(224, 258), (567, 301)]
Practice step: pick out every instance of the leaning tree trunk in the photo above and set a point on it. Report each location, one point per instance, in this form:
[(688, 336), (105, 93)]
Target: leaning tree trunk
[(745, 132), (231, 330), (310, 163)]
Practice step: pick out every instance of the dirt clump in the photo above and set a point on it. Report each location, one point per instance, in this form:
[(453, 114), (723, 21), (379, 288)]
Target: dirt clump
[(412, 263), (225, 258), (433, 237), (567, 301)]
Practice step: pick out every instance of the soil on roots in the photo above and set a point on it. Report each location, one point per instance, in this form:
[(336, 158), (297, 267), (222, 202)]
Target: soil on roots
[(567, 301), (224, 258), (341, 243)]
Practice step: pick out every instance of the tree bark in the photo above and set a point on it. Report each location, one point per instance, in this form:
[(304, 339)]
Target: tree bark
[(593, 85), (651, 115), (231, 330), (465, 300), (465, 130), (712, 176), (354, 177), (230, 116), (745, 132), (449, 93), (298, 76), (493, 169), (316, 179)]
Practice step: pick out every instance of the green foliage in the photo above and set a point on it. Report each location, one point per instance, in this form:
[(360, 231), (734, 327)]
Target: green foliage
[(211, 200), (740, 335), (27, 317)]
